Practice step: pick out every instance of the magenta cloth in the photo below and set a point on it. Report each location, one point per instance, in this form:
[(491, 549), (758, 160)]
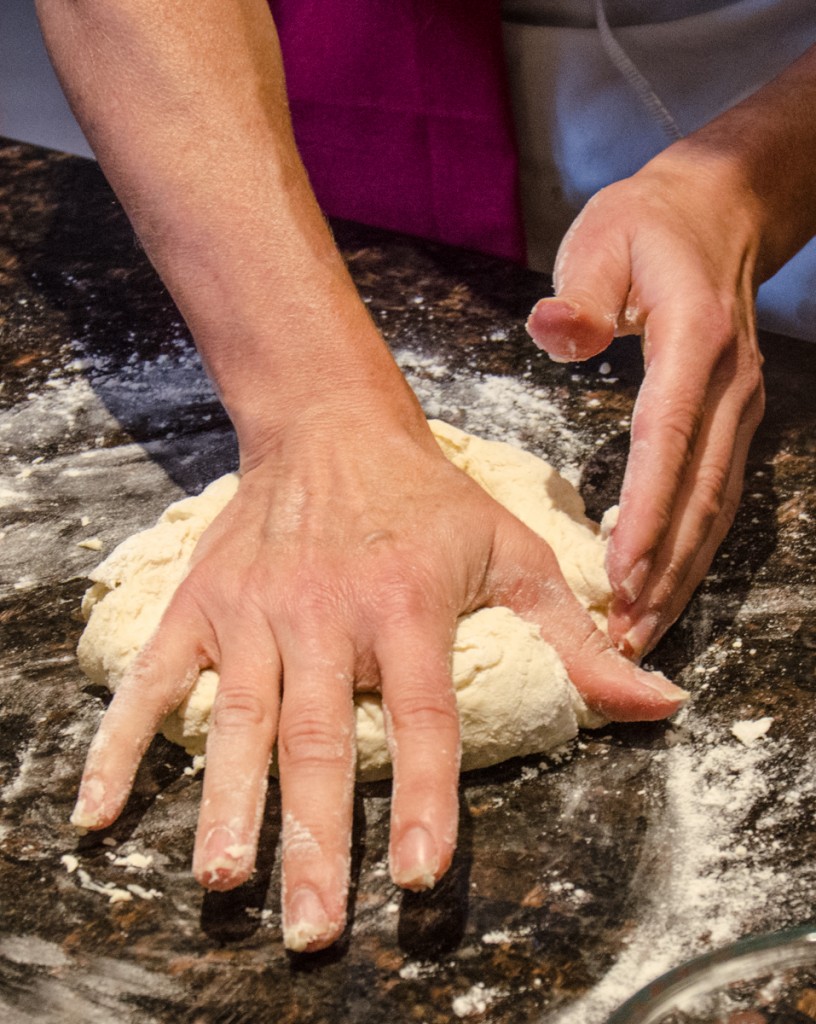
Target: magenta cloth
[(402, 116)]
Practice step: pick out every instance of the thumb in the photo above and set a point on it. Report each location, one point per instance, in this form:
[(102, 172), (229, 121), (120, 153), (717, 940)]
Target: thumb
[(525, 576), (569, 328), (591, 280)]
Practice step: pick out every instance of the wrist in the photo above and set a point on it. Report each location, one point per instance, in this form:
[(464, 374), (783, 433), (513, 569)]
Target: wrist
[(326, 405), (764, 150), (330, 433), (749, 199), (714, 188)]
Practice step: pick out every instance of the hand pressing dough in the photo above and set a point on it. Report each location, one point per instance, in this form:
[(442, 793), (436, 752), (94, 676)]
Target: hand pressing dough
[(512, 690)]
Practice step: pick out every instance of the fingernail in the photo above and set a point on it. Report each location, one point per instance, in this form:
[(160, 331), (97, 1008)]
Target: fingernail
[(569, 355), (415, 862), (624, 647), (633, 584), (665, 687), (638, 636), (305, 920), (222, 858), (87, 813), (547, 334)]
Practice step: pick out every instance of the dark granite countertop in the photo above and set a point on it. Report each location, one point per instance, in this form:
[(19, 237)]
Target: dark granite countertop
[(577, 878)]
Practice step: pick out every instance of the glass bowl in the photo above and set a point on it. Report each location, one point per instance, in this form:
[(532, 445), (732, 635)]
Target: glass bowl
[(767, 979)]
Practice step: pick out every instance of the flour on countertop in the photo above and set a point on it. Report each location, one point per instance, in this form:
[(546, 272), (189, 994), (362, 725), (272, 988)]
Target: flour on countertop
[(413, 970), (135, 861), (505, 936), (717, 818), (749, 731), (129, 859), (93, 397), (712, 875), (510, 409), (476, 1000), (113, 893)]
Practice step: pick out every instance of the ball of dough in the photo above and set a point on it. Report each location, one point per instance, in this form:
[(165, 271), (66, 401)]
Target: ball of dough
[(512, 690)]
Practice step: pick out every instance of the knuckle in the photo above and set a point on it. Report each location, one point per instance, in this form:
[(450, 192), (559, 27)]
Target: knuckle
[(738, 367), (672, 425), (710, 489), (402, 601), (586, 643), (403, 596), (310, 738), (312, 601), (754, 407), (720, 320), (238, 708), (681, 425), (424, 711), (146, 682), (671, 577)]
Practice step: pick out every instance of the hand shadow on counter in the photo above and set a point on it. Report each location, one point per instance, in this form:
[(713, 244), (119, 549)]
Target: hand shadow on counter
[(90, 303)]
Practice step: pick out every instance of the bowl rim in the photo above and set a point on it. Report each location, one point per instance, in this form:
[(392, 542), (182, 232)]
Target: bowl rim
[(788, 947)]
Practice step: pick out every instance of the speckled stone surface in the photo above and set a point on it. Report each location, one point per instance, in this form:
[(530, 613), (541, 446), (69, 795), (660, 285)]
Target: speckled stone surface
[(577, 878)]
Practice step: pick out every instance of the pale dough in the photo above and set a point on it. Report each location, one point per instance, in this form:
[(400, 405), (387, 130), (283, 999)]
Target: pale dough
[(513, 692)]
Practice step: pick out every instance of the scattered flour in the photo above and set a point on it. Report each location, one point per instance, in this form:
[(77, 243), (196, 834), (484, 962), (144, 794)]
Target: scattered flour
[(413, 971), (710, 878), (717, 817), (749, 731), (263, 916), (30, 950), (476, 1000), (197, 766), (114, 893), (498, 408), (142, 893), (505, 936), (133, 861)]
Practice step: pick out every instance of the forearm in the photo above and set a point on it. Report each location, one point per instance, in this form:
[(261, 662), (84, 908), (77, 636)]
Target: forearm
[(185, 106), (765, 150)]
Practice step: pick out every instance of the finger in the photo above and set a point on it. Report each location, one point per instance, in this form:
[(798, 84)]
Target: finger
[(239, 744), (669, 412), (155, 684), (637, 629), (707, 509), (316, 754), (423, 737), (525, 577), (592, 280)]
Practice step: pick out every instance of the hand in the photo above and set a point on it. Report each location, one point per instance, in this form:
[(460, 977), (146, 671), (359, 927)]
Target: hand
[(343, 561), (670, 254)]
